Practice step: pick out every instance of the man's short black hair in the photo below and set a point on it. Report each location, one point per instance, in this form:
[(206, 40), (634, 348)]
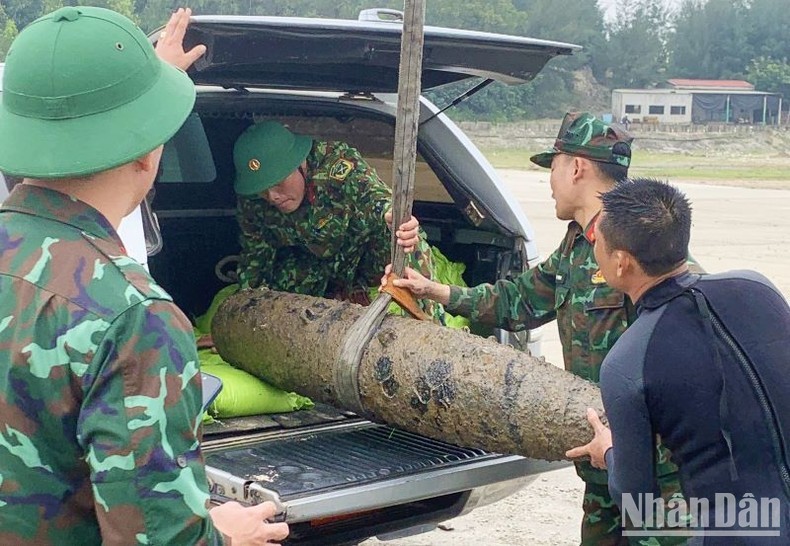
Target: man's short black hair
[(611, 171), (649, 219), (615, 172)]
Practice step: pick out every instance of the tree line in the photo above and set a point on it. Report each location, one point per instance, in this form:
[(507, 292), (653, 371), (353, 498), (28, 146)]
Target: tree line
[(642, 45)]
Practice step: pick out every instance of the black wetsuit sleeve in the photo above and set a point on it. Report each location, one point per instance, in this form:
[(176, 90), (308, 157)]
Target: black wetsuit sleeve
[(631, 461)]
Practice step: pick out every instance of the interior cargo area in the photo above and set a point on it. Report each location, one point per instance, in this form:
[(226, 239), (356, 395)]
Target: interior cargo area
[(195, 203)]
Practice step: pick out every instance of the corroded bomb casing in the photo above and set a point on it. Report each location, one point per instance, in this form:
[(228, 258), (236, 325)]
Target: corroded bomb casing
[(438, 382)]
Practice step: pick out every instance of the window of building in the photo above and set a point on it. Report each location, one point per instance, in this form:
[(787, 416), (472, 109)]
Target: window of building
[(677, 110), (633, 108), (656, 109)]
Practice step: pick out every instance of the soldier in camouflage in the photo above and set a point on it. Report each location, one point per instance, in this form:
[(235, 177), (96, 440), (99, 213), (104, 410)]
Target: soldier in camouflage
[(588, 158), (314, 216), (100, 393)]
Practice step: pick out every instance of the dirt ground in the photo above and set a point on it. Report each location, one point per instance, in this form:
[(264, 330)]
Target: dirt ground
[(733, 228)]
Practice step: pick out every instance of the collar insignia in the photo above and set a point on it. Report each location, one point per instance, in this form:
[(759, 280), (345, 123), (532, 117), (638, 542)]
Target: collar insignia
[(597, 278)]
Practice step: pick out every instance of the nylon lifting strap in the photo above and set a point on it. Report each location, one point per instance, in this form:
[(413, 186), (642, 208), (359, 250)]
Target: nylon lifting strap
[(403, 170)]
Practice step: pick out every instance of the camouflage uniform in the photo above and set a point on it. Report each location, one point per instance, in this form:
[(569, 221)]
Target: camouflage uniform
[(100, 396), (591, 316), (336, 244)]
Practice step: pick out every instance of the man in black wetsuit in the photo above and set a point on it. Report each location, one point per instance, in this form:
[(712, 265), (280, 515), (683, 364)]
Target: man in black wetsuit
[(706, 366)]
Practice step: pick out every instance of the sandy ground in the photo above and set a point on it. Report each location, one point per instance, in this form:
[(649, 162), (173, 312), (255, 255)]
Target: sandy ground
[(734, 228)]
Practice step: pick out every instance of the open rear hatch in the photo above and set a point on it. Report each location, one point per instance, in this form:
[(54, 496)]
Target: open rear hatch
[(353, 56)]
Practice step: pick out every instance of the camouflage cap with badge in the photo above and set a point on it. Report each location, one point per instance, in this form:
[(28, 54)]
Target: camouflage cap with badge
[(584, 135), (265, 154)]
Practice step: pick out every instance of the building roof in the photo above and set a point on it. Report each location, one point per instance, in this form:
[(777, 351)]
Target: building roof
[(686, 92), (723, 85)]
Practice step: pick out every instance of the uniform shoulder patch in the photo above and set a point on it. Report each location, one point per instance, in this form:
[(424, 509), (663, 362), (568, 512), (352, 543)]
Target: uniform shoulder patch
[(341, 169), (322, 222)]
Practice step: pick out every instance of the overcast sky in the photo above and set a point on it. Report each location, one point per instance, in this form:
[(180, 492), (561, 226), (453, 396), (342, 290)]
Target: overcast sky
[(611, 5)]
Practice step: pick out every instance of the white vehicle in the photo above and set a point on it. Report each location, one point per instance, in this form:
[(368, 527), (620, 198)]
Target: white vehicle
[(338, 478)]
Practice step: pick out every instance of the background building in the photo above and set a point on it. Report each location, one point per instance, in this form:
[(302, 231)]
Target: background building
[(698, 101)]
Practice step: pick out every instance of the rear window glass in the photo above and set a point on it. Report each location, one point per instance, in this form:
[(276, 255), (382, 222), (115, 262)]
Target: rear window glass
[(187, 156), (375, 141), (197, 170)]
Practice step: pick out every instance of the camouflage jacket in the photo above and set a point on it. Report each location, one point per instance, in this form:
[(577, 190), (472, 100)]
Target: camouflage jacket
[(336, 243), (567, 286), (100, 396)]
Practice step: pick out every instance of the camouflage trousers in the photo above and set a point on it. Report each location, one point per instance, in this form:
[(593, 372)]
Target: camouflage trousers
[(602, 523)]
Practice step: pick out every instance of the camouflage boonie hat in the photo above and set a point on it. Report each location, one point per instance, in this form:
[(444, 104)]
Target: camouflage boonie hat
[(584, 135)]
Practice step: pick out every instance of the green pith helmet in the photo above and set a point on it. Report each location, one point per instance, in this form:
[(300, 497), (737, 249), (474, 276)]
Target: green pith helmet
[(265, 154), (83, 92), (584, 135)]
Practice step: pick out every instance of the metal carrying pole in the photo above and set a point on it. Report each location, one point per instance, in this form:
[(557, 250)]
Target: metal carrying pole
[(403, 170)]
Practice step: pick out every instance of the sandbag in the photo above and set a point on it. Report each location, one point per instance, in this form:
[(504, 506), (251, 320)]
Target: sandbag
[(445, 272), (244, 394)]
